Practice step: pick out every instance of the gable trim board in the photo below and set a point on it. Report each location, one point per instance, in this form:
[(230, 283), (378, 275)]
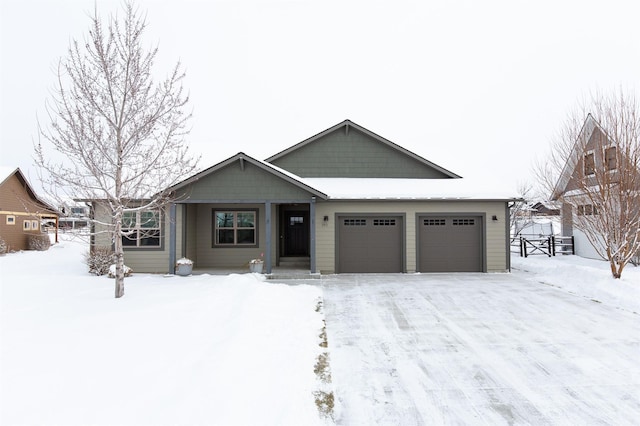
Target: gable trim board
[(241, 181)]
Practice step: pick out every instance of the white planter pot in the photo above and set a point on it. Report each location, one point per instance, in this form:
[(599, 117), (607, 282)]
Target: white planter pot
[(256, 267), (184, 270)]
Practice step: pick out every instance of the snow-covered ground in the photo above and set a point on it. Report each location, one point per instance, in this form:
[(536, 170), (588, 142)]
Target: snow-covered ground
[(173, 351), (556, 342), (485, 349)]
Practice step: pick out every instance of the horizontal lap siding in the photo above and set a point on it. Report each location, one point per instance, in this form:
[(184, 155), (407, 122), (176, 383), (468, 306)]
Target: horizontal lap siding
[(495, 236), (140, 260), (232, 257), (156, 261)]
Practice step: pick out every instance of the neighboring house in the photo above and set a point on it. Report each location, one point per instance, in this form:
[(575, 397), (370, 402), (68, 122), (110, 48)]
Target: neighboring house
[(21, 211), (74, 216), (545, 209), (343, 201), (593, 159)]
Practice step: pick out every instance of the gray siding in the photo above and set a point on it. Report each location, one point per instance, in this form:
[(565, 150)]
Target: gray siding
[(243, 183), (495, 231), (140, 259), (353, 154), (208, 256)]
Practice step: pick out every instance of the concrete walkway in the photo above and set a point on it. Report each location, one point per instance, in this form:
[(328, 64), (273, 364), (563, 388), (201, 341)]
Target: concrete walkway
[(477, 349)]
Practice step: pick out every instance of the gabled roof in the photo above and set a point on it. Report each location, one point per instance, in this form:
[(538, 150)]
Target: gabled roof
[(7, 172), (347, 125), (589, 126), (241, 158)]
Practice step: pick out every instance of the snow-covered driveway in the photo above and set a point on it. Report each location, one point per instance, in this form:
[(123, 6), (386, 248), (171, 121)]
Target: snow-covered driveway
[(478, 349)]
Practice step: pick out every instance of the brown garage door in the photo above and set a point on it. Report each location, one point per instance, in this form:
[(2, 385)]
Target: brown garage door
[(450, 244), (370, 244)]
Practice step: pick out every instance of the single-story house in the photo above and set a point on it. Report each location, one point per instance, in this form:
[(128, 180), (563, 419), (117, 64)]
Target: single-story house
[(21, 210), (343, 201)]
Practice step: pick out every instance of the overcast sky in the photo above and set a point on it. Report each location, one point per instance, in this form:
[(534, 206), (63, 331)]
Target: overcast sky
[(477, 87)]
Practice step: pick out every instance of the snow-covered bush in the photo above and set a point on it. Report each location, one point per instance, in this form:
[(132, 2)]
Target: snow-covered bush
[(112, 271), (99, 260), (40, 242), (3, 246)]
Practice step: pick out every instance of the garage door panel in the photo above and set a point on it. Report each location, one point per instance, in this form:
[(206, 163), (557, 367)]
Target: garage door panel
[(370, 244), (450, 244)]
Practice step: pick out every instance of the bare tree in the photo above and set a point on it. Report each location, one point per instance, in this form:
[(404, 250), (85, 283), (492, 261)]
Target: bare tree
[(520, 215), (594, 170), (115, 135)]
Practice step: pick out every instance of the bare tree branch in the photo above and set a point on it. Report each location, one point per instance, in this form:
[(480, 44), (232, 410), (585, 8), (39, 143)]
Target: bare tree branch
[(594, 169), (114, 134)]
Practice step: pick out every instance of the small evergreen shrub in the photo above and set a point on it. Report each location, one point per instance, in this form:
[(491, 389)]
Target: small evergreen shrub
[(40, 242), (99, 260), (3, 246)]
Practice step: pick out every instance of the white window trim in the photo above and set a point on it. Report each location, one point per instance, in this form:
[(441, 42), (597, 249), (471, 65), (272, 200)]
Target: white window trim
[(11, 219)]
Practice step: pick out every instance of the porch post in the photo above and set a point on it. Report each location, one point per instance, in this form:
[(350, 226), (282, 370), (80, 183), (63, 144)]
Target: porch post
[(172, 238), (312, 235), (267, 250)]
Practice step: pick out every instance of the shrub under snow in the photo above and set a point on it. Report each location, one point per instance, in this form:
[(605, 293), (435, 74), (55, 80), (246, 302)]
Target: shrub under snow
[(99, 260), (40, 242)]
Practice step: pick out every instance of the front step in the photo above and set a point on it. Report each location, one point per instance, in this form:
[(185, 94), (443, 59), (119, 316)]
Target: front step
[(295, 262)]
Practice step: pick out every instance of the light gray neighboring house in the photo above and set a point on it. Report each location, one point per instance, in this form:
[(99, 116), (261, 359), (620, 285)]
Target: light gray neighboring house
[(343, 201), (593, 157)]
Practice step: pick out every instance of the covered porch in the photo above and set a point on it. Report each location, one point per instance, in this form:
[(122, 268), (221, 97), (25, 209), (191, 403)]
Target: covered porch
[(224, 236)]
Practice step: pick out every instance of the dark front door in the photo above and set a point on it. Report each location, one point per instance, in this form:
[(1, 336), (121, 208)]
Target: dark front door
[(296, 233)]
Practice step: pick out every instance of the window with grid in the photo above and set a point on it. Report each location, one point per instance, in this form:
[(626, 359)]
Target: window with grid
[(141, 229), (434, 222), (355, 222), (464, 222), (235, 228), (587, 210)]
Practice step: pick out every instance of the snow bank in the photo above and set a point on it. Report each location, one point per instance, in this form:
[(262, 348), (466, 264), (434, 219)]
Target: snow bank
[(585, 277), (175, 350)]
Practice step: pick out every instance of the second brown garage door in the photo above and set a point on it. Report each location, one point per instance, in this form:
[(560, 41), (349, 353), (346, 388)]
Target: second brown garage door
[(450, 244), (369, 244)]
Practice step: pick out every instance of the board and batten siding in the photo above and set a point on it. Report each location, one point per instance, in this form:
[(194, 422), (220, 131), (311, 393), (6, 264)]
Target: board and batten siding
[(495, 231)]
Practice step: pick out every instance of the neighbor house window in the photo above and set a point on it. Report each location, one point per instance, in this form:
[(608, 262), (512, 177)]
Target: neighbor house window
[(589, 164), (26, 225), (141, 229), (34, 225), (587, 210), (11, 220), (234, 228), (610, 160)]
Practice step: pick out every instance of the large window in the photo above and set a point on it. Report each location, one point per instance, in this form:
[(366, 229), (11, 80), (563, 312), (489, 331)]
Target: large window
[(142, 229), (234, 228)]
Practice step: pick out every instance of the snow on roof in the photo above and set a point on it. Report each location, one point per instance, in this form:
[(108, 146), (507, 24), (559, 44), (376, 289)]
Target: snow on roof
[(405, 189)]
